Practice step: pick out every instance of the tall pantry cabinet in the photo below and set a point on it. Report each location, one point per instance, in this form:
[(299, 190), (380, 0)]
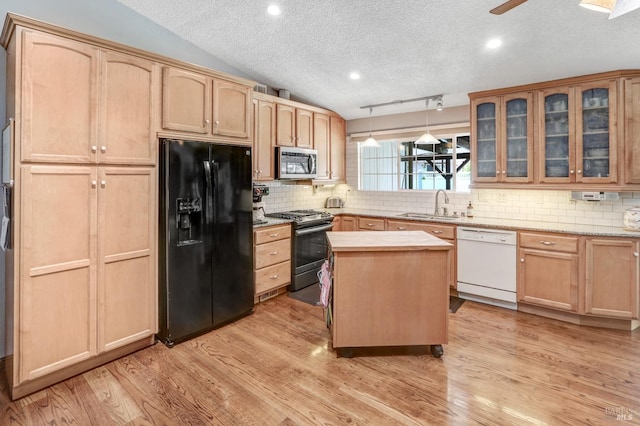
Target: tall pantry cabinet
[(81, 270)]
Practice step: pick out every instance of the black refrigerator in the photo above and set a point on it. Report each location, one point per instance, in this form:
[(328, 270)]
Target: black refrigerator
[(206, 237)]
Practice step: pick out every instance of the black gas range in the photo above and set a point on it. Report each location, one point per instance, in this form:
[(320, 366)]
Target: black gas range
[(308, 246), (304, 218)]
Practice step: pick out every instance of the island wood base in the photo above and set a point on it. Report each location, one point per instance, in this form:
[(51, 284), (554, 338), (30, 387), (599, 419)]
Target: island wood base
[(390, 295)]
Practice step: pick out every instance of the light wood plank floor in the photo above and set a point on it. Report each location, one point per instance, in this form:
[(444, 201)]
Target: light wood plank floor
[(276, 367)]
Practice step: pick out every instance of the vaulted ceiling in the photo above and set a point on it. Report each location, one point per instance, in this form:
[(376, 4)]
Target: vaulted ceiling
[(401, 48)]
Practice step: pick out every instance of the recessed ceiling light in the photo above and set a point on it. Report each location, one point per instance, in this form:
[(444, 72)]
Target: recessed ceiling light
[(354, 76), (274, 10), (494, 43)]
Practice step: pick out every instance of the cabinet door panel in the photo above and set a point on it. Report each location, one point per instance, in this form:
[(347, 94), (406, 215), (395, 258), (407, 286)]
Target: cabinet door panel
[(484, 140), (556, 110), (304, 128), (286, 122), (337, 151), (186, 101), (265, 139), (611, 285), (549, 279), (321, 141), (58, 286), (632, 130), (127, 291), (59, 95), (128, 102), (517, 164), (231, 109)]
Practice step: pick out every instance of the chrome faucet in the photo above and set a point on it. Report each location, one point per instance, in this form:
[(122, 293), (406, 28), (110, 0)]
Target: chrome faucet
[(446, 201)]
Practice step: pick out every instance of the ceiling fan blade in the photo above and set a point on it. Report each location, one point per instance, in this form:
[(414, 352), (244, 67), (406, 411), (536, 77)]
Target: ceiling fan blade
[(506, 6)]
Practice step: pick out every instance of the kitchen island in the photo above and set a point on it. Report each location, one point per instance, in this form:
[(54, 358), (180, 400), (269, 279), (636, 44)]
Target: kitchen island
[(389, 289)]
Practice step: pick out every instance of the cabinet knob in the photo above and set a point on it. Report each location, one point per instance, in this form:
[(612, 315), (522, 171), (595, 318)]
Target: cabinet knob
[(504, 172), (103, 183), (437, 232), (207, 121), (571, 172), (273, 253), (522, 260), (94, 149), (273, 277), (401, 228), (579, 171), (216, 122), (103, 149), (274, 235), (636, 254), (94, 183)]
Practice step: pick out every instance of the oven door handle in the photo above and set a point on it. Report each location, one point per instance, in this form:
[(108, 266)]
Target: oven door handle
[(314, 229)]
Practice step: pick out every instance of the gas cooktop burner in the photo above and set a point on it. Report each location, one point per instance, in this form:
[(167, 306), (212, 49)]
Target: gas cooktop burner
[(301, 216)]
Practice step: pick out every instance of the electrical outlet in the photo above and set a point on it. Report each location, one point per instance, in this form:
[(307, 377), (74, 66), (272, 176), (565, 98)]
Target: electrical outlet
[(501, 197), (539, 199)]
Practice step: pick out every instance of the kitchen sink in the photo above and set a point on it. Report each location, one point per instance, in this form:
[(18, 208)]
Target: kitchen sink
[(428, 216)]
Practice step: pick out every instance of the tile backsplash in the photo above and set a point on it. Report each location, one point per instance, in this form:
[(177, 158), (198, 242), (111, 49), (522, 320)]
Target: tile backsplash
[(520, 204)]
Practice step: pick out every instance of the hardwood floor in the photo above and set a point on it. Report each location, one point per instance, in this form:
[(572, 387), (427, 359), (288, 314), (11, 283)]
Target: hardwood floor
[(276, 367)]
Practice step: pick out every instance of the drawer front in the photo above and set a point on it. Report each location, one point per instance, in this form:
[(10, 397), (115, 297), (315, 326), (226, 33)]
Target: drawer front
[(370, 224), (549, 242), (440, 231), (272, 277), (271, 253), (272, 233)]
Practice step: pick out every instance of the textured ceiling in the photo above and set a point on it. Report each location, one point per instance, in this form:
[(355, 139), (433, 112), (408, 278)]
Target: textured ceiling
[(402, 48)]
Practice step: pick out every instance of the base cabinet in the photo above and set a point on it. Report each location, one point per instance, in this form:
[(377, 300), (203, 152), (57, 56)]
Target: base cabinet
[(548, 271), (272, 258), (611, 284), (88, 264)]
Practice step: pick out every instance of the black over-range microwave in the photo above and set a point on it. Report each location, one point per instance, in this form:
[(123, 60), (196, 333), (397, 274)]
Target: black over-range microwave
[(296, 163)]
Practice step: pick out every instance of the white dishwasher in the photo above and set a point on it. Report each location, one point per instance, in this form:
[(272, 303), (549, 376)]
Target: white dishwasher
[(487, 266)]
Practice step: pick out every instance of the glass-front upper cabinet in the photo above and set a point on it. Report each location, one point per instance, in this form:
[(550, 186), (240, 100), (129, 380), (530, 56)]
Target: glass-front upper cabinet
[(595, 132), (485, 140), (557, 153), (517, 164), (502, 139), (578, 134)]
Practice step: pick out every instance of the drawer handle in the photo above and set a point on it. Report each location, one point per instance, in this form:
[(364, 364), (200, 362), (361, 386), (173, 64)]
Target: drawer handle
[(548, 243), (273, 277), (636, 254), (274, 235), (273, 253), (402, 228), (437, 232), (370, 224)]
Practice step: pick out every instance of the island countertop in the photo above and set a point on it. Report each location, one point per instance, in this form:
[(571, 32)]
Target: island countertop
[(385, 241)]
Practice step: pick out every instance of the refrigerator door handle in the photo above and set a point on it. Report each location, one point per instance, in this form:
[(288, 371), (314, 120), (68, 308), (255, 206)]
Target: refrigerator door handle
[(209, 195)]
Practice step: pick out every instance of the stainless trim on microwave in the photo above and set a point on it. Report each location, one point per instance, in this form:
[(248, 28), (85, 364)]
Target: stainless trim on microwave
[(296, 163)]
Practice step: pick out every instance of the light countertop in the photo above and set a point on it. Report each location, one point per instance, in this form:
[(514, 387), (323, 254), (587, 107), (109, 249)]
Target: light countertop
[(511, 224), (385, 241)]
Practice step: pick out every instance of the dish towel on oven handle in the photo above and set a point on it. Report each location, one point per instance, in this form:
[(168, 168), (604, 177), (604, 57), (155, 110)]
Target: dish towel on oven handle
[(324, 276)]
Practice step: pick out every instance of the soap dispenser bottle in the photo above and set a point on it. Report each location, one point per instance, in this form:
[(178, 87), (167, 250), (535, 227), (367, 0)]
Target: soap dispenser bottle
[(469, 210)]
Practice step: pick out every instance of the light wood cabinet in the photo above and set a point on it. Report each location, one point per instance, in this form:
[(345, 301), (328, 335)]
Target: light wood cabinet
[(294, 126), (548, 271), (55, 69), (272, 258), (631, 130), (611, 283), (198, 103), (371, 224), (337, 151), (347, 223), (444, 232), (82, 267), (582, 133), (96, 290), (264, 140), (322, 144), (502, 137)]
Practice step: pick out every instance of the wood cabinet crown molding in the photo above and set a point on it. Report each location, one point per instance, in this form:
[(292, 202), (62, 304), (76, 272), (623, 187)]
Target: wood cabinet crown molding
[(13, 20), (555, 83)]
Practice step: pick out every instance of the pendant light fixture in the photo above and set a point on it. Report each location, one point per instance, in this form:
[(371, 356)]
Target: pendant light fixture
[(370, 142), (427, 138), (605, 6)]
